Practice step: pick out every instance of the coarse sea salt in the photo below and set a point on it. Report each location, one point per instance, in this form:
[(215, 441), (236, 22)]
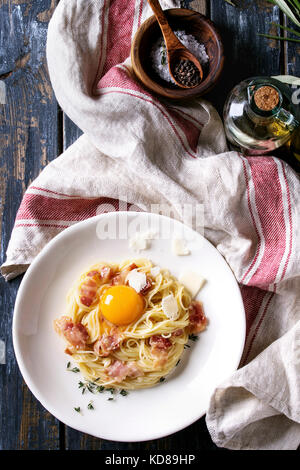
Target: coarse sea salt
[(159, 54)]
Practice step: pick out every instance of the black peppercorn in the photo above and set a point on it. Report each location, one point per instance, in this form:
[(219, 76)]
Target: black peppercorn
[(186, 73)]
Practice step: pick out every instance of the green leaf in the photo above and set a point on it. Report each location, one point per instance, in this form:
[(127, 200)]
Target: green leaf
[(282, 4), (281, 38), (289, 79), (285, 28)]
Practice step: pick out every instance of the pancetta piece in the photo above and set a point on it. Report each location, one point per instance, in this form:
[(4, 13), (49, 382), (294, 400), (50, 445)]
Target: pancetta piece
[(119, 370), (178, 332), (158, 344), (147, 287), (119, 279), (94, 279), (75, 333), (160, 349), (107, 343), (106, 273), (103, 274), (198, 320), (88, 291)]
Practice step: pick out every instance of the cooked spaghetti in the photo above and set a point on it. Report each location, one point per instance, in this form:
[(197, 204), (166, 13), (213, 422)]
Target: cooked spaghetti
[(126, 324)]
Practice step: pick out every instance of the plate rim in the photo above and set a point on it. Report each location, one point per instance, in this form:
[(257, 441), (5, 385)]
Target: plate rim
[(17, 349)]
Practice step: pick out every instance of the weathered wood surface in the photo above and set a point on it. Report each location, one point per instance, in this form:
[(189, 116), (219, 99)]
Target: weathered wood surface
[(28, 140), (33, 131)]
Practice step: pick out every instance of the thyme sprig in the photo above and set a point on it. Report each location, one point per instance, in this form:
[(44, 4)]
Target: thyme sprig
[(193, 337), (291, 8), (94, 388), (73, 369)]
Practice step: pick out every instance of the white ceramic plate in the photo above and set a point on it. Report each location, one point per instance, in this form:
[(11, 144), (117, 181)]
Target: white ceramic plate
[(143, 414)]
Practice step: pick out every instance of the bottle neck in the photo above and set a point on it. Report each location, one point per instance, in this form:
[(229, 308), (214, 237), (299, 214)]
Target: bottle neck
[(264, 100)]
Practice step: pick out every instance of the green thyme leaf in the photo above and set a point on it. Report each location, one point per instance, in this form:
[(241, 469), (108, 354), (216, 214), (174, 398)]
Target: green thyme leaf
[(163, 60), (193, 337), (74, 369)]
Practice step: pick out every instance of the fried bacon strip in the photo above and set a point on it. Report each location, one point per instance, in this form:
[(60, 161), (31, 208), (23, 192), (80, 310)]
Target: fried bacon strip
[(147, 287), (198, 320), (119, 278), (75, 333), (94, 279), (119, 370), (158, 344), (107, 343), (160, 349)]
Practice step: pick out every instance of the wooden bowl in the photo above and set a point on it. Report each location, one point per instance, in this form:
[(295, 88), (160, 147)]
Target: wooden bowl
[(191, 22)]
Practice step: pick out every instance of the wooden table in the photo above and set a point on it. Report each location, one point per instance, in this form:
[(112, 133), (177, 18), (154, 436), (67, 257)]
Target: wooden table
[(34, 131)]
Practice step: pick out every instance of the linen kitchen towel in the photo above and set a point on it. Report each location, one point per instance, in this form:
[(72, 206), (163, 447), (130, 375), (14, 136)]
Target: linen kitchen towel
[(141, 150)]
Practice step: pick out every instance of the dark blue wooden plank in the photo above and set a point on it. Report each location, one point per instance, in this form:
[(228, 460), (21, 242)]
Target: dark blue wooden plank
[(292, 67), (194, 437), (28, 139)]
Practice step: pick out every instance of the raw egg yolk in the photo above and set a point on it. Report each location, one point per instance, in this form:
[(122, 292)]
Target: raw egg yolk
[(121, 305)]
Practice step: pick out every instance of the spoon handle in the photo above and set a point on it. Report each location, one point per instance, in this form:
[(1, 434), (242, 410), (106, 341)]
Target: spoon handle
[(169, 36)]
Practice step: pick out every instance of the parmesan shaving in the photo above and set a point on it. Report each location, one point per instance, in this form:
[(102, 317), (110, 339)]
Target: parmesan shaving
[(179, 247), (170, 307), (192, 281), (136, 280)]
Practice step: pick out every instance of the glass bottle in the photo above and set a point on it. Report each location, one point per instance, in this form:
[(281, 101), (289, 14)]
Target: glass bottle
[(259, 116)]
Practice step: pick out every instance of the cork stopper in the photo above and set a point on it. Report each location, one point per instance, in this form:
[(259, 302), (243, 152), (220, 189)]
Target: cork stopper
[(266, 98)]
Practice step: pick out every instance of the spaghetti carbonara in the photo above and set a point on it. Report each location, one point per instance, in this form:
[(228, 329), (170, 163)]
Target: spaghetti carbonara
[(126, 324)]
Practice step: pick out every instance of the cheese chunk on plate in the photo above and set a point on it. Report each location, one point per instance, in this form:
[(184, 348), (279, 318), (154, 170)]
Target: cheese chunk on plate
[(192, 281), (170, 307), (179, 247), (136, 280)]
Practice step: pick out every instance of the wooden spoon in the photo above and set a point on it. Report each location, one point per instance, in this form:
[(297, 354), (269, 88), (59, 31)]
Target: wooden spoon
[(176, 51)]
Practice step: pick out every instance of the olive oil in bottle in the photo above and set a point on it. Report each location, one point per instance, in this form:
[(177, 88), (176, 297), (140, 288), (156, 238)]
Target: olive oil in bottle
[(259, 116)]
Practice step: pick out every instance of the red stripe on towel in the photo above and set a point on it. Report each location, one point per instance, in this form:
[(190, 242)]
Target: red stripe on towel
[(41, 224), (290, 221), (120, 78), (269, 204), (54, 192), (38, 207), (247, 352), (120, 23), (252, 298), (252, 218), (140, 12), (164, 113), (192, 133)]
